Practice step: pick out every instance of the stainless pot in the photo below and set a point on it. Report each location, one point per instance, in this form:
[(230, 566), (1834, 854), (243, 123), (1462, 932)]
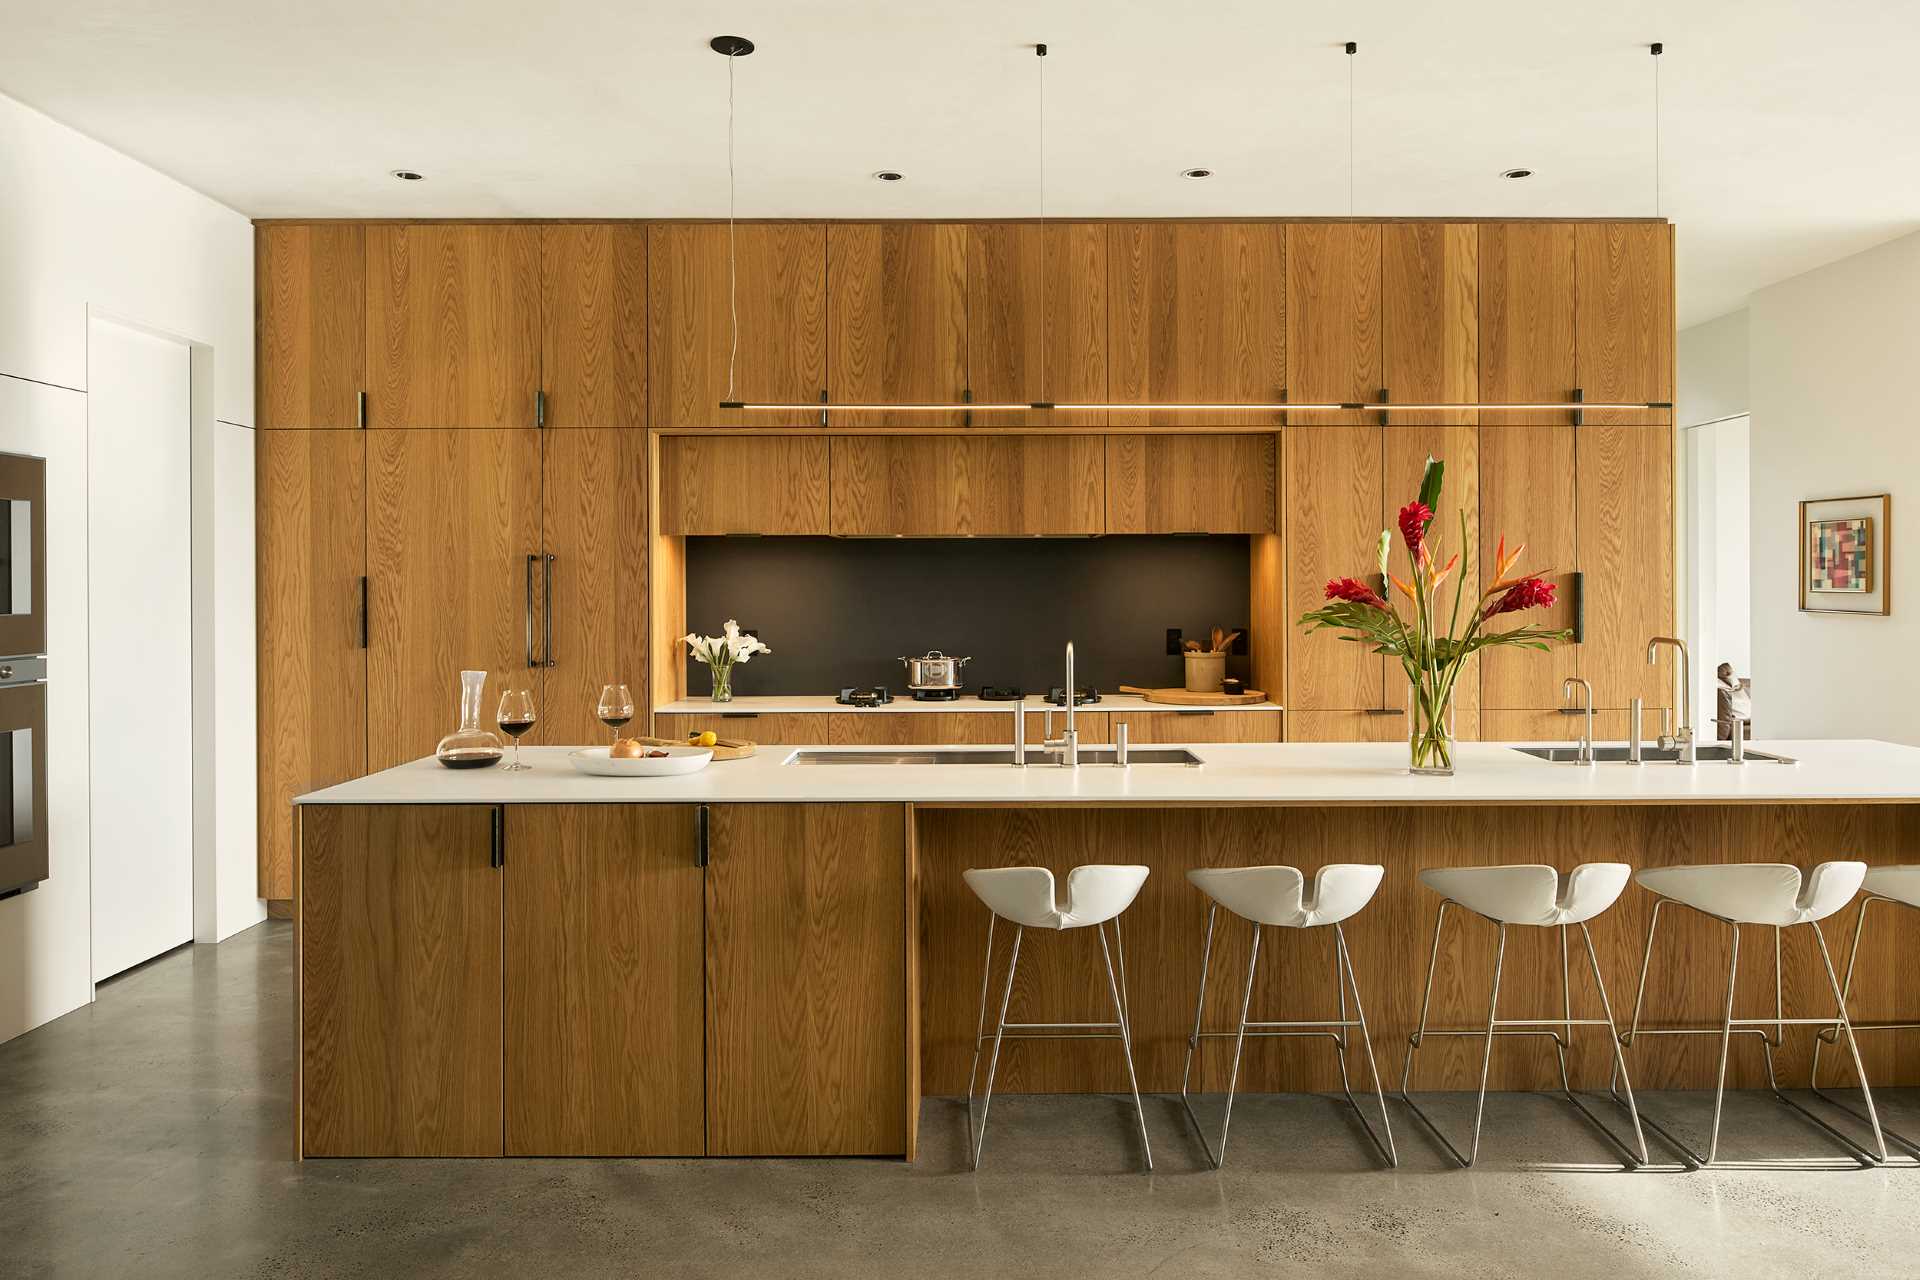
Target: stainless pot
[(934, 671)]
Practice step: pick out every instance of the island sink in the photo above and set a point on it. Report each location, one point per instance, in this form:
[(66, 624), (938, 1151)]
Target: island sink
[(1036, 757), (1706, 754)]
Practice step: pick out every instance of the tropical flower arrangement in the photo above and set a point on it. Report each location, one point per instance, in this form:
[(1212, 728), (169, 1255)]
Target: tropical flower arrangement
[(721, 652), (1434, 642)]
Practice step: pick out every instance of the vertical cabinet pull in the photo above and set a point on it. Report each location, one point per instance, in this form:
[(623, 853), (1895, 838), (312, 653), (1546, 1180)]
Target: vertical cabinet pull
[(1579, 606), (499, 836), (539, 408), (364, 622), (702, 857), (546, 634), (360, 410), (532, 660)]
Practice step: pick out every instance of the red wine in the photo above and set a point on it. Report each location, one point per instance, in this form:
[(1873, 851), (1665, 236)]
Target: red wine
[(472, 760), (614, 722), (515, 728)]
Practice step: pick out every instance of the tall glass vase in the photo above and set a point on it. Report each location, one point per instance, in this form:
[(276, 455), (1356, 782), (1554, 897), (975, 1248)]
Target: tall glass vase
[(722, 682), (1430, 738)]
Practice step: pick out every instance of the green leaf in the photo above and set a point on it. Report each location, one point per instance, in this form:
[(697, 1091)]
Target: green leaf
[(1430, 484)]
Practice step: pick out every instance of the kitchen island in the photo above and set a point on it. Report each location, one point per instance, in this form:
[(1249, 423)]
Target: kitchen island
[(768, 957)]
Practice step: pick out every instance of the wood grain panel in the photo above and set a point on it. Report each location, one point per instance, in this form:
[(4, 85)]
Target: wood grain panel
[(1333, 316), (1625, 546), (960, 485), (747, 484), (1037, 320), (1192, 484), (1623, 318), (311, 495), (452, 518), (1198, 316), (310, 317), (1268, 625), (594, 324), (604, 1008), (1407, 450), (400, 973), (1430, 317), (1527, 351), (595, 526), (1527, 495), (780, 293), (806, 980), (1347, 726), (1333, 524), (1199, 726), (896, 319)]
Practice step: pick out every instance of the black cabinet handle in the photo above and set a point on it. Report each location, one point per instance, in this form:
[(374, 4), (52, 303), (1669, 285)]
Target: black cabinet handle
[(1579, 584), (364, 625), (499, 836), (703, 855), (360, 410), (546, 642), (532, 661), (539, 408), (1383, 711)]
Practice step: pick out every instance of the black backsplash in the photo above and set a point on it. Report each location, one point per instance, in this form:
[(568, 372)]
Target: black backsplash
[(841, 611)]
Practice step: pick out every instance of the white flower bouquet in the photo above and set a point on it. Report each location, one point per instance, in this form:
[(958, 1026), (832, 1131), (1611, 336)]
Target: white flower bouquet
[(720, 652)]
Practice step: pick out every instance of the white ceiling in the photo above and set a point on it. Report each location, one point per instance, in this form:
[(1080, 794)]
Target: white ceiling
[(1788, 138)]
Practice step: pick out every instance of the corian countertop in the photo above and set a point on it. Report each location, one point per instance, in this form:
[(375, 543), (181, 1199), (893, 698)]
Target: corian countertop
[(1231, 773), (791, 704)]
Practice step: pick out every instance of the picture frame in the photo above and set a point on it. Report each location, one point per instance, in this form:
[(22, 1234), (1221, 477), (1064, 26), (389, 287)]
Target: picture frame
[(1845, 555)]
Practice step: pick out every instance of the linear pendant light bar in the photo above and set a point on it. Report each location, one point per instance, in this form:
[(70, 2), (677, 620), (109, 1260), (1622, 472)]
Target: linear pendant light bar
[(1277, 406)]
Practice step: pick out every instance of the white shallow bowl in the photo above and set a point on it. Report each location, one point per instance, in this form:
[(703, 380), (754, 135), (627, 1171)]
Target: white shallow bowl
[(595, 760)]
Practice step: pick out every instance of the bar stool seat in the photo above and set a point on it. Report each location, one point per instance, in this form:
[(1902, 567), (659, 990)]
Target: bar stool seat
[(1758, 892), (1531, 895), (1896, 884), (1279, 897), (1027, 898)]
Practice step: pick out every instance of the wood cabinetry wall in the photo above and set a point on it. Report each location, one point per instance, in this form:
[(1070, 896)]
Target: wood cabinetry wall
[(484, 443)]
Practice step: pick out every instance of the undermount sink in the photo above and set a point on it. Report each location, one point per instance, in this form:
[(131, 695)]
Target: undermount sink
[(1036, 757), (1707, 753)]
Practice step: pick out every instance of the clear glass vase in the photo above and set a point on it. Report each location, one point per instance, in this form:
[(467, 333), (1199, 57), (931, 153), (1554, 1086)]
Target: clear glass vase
[(722, 682), (1430, 736), (470, 746)]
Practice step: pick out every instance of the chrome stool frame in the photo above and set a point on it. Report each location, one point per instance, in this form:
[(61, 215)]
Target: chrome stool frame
[(1831, 1035), (1730, 1025), (1334, 1030), (1121, 1030), (1560, 1030)]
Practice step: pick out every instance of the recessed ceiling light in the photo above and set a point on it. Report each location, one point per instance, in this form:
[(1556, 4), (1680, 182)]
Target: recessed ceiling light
[(1196, 174), (407, 175), (1516, 173), (889, 175)]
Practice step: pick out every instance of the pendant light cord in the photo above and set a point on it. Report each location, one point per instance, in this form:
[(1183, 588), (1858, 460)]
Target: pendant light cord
[(1040, 155), (1352, 49), (1657, 49), (733, 286)]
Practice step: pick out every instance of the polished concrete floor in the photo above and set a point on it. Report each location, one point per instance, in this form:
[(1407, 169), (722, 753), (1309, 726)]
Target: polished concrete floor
[(147, 1136)]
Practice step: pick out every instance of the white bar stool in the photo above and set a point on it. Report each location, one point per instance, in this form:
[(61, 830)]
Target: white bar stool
[(1900, 886), (1024, 897), (1768, 894), (1277, 896), (1540, 897)]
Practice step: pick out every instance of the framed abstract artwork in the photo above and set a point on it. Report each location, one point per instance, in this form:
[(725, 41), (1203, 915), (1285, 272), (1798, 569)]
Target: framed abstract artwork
[(1844, 546)]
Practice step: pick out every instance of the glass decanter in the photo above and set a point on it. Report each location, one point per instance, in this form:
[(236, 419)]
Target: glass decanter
[(470, 746)]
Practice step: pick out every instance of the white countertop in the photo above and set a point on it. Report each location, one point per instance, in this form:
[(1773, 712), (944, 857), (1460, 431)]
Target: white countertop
[(801, 704), (1230, 773)]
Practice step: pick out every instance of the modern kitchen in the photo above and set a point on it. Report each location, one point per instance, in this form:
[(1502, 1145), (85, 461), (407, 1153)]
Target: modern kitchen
[(685, 665)]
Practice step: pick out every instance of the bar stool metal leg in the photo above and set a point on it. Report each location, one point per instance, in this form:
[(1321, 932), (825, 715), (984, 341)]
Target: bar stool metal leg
[(1831, 1035), (977, 1141), (1126, 1046), (1345, 959), (1193, 1041)]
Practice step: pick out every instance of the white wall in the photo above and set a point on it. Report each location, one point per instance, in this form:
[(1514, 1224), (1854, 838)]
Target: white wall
[(1713, 380), (1833, 362), (85, 228)]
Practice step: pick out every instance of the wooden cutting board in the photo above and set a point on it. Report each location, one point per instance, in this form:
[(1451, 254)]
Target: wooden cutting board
[(1187, 698), (724, 749)]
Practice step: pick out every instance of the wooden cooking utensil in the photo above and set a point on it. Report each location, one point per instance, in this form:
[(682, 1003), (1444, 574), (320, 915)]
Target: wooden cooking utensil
[(1186, 698)]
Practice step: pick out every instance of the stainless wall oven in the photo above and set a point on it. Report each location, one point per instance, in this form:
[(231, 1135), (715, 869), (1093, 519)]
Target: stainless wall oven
[(23, 673)]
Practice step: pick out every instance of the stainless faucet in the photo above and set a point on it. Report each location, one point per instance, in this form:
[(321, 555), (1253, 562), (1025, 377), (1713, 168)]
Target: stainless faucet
[(1739, 749), (1069, 739), (1683, 736), (1636, 730), (1019, 733), (1586, 739)]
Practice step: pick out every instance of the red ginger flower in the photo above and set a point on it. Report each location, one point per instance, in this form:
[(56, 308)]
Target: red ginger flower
[(1414, 519), (1528, 593), (1355, 591)]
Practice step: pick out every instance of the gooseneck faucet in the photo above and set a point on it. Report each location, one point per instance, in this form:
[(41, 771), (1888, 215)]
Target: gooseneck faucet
[(1069, 739), (1683, 736), (1585, 754)]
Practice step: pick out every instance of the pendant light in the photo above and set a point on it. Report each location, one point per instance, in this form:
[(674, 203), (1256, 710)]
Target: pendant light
[(731, 48)]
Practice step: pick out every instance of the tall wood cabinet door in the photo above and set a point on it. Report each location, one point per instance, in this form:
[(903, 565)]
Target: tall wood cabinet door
[(593, 606), (1623, 317), (1198, 316), (1333, 316), (896, 320), (1626, 561), (1037, 320), (1192, 484), (311, 315), (957, 485), (1527, 353), (311, 491), (1407, 451), (400, 981), (1430, 317), (453, 535), (604, 945), (593, 332), (1333, 524), (778, 287), (1527, 496), (806, 980), (453, 325), (743, 484)]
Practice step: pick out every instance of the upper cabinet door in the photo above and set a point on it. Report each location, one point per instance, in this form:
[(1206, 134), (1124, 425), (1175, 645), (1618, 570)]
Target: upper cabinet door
[(1527, 497), (593, 363), (1333, 524), (310, 293), (1430, 318), (1184, 483), (1626, 561), (778, 286), (897, 320), (1037, 320), (593, 515), (1526, 319), (453, 329), (934, 486), (1199, 316), (718, 484), (1333, 316), (1624, 317)]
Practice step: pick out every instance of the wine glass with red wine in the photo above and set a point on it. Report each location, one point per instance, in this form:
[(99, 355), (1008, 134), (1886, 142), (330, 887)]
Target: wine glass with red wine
[(516, 716), (615, 709)]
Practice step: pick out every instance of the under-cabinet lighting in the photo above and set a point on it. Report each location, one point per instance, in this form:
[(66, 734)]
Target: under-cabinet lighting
[(1277, 406)]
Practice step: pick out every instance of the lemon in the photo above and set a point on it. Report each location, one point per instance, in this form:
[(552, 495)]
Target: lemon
[(708, 739)]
